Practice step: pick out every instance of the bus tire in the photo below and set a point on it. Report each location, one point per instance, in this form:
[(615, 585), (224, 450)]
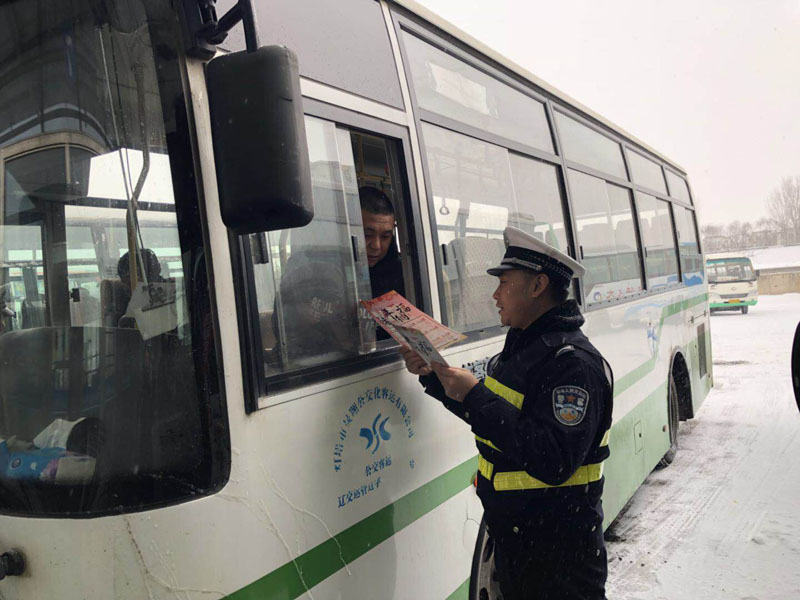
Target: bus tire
[(744, 310), (483, 584), (673, 423)]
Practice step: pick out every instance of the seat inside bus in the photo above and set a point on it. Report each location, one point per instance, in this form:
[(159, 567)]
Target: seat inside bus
[(623, 234), (663, 224), (470, 286)]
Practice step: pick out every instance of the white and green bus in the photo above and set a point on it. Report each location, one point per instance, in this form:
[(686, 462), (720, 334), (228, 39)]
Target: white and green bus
[(732, 282), (220, 421)]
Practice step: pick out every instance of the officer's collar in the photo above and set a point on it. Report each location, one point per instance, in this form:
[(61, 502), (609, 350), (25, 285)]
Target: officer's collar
[(564, 317)]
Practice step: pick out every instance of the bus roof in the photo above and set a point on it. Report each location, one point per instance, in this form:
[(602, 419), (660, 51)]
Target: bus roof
[(470, 41), (718, 258)]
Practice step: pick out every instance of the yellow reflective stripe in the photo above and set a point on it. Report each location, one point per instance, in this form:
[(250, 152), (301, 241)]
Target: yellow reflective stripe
[(504, 392), (604, 441), (485, 468), (487, 442), (520, 480)]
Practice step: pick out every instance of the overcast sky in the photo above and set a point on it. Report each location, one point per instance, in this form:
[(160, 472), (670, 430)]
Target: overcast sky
[(712, 84)]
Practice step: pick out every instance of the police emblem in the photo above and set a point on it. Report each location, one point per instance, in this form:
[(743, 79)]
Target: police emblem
[(569, 404)]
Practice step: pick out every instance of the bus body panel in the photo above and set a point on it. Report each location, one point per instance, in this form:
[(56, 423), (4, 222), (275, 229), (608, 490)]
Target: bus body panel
[(358, 486), (639, 339)]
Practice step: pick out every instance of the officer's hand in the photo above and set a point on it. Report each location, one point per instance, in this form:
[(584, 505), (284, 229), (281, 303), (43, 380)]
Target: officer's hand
[(456, 382), (414, 362)]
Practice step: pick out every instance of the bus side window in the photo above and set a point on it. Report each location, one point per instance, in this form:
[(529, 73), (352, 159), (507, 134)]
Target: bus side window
[(479, 189), (657, 238), (604, 219), (309, 280), (691, 265)]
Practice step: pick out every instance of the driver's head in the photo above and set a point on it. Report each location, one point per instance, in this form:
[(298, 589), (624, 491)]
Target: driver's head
[(152, 266), (377, 214)]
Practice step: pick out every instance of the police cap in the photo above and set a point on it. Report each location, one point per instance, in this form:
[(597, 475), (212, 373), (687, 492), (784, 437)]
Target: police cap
[(524, 251)]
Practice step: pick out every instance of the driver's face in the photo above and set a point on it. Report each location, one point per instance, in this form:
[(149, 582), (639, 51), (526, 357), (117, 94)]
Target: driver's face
[(378, 234)]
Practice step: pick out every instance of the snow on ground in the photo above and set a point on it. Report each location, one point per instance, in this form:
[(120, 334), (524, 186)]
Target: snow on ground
[(723, 521)]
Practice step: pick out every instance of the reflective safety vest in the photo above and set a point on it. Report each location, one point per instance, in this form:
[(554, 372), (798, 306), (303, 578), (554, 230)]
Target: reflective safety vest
[(504, 480), (521, 480)]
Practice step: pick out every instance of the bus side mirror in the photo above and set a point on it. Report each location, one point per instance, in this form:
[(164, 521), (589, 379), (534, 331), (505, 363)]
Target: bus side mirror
[(259, 138), (758, 273)]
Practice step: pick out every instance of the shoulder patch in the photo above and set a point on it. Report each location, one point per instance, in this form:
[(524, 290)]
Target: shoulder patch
[(569, 404), (565, 349)]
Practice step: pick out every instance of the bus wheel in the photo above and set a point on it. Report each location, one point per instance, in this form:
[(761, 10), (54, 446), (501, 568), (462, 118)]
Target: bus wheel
[(744, 310), (672, 409), (483, 583)]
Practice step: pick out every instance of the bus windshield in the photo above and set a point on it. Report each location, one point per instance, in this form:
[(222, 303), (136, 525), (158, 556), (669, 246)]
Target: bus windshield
[(726, 271), (99, 410)]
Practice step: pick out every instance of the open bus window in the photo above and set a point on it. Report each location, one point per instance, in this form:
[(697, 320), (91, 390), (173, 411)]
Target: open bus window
[(99, 411), (309, 284)]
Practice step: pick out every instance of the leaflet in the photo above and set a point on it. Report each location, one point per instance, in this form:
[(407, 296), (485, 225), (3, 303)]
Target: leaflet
[(411, 327)]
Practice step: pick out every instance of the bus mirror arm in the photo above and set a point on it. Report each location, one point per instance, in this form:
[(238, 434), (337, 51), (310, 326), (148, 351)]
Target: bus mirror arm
[(215, 32), (206, 32)]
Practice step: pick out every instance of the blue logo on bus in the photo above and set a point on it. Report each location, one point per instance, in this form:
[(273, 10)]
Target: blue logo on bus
[(378, 432)]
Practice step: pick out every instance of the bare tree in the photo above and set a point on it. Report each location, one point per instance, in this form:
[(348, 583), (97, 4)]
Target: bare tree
[(765, 224), (784, 207), (713, 236), (765, 232), (738, 234), (712, 230)]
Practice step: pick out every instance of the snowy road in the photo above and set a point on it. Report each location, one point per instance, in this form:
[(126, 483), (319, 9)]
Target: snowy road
[(723, 521)]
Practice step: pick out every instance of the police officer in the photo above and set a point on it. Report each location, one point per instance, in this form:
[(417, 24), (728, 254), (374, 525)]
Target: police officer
[(541, 419)]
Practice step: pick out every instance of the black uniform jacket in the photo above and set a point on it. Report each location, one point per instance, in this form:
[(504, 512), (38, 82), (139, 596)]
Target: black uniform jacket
[(387, 274), (565, 394)]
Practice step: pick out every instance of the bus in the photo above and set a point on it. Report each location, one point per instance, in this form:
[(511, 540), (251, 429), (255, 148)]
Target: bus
[(732, 283), (191, 404)]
